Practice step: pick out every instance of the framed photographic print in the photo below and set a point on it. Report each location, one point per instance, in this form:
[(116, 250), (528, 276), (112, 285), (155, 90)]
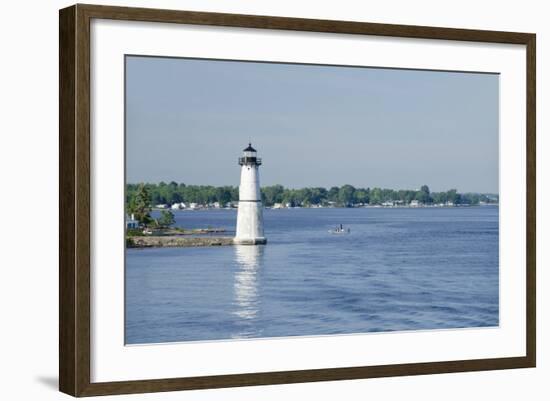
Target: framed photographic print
[(250, 200)]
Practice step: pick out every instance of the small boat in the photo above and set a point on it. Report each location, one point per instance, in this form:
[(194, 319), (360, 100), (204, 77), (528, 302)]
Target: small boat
[(340, 230)]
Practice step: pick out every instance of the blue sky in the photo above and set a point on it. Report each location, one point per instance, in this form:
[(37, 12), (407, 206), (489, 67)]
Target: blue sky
[(187, 120)]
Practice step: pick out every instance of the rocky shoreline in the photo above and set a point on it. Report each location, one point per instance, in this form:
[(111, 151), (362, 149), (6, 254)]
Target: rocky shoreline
[(176, 241)]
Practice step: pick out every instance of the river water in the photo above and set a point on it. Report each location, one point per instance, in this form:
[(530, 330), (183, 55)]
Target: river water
[(398, 269)]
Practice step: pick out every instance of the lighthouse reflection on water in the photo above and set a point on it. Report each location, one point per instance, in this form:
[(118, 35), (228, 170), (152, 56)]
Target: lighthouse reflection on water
[(246, 296)]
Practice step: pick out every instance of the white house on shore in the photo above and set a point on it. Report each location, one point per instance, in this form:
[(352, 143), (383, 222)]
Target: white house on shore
[(131, 222)]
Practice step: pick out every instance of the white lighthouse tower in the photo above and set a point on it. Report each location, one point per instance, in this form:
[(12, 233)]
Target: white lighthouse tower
[(250, 217)]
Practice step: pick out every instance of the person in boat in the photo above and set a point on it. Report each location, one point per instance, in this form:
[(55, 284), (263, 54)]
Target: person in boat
[(340, 229)]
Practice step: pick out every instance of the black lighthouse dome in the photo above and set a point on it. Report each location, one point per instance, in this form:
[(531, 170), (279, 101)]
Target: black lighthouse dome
[(249, 148), (249, 157)]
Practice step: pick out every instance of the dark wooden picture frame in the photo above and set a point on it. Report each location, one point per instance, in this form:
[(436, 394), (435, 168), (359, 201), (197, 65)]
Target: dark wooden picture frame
[(74, 201)]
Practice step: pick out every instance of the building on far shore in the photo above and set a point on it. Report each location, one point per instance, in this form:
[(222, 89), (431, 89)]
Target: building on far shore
[(178, 206)]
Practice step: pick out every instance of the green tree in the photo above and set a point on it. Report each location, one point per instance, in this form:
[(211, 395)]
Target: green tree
[(453, 196), (345, 195), (223, 195), (439, 197), (470, 199), (166, 218), (375, 196), (273, 194), (140, 205), (317, 195), (333, 194), (424, 195)]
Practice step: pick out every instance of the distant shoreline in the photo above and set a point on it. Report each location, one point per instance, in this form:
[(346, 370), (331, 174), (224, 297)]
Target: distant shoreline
[(208, 208), (181, 196)]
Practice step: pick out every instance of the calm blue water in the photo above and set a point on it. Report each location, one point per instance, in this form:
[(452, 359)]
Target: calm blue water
[(398, 269)]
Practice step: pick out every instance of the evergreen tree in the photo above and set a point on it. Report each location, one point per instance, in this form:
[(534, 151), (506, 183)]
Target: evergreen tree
[(140, 205), (166, 218)]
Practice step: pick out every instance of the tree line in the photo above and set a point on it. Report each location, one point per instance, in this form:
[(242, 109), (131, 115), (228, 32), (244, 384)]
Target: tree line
[(344, 196)]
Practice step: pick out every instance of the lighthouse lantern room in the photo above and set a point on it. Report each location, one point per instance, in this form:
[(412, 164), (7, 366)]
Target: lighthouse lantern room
[(250, 219)]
